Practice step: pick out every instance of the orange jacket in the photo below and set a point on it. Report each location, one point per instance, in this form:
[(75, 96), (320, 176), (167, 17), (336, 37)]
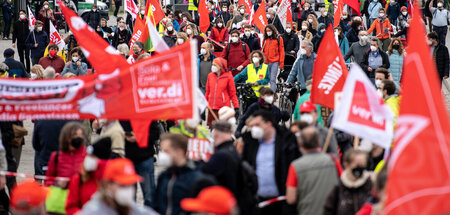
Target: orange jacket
[(273, 50), (379, 28)]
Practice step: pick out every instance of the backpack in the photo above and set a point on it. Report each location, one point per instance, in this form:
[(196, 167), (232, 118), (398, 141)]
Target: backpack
[(243, 47)]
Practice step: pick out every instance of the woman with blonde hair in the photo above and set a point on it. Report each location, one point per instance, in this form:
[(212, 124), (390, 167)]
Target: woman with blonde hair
[(123, 50), (37, 72), (181, 38), (303, 31), (313, 24)]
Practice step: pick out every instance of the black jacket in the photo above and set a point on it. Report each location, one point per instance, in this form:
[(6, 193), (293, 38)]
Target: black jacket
[(20, 31), (116, 41), (440, 55), (277, 23), (291, 43), (316, 40), (365, 64), (352, 36), (343, 200), (252, 42), (170, 40), (325, 20), (93, 19), (286, 151), (136, 153)]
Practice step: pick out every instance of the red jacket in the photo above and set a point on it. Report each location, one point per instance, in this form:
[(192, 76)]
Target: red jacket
[(273, 50), (69, 163), (219, 90), (81, 192), (57, 63), (236, 56), (219, 35)]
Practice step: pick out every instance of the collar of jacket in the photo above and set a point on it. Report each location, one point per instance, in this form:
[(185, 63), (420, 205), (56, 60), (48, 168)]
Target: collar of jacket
[(345, 178), (180, 170), (225, 144)]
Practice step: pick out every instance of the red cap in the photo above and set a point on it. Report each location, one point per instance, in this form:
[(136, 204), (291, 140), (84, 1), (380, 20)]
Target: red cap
[(121, 171), (221, 62), (28, 195), (215, 199), (403, 8), (307, 107)]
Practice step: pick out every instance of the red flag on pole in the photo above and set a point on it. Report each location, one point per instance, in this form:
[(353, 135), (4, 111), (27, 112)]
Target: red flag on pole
[(248, 5), (284, 12), (204, 16), (140, 33), (260, 16), (354, 4), (419, 168), (157, 11), (329, 72), (338, 8)]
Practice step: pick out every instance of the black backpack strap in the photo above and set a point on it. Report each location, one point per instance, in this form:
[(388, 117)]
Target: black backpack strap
[(243, 47), (56, 163)]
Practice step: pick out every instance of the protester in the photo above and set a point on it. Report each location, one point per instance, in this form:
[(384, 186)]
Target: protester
[(37, 72), (396, 54), (317, 39), (303, 66), (324, 18), (313, 24), (304, 33), (93, 17), (354, 186), (257, 73), (192, 32), (307, 10), (176, 182), (123, 50), (342, 40), (29, 197), (52, 59), (440, 55), (309, 189), (181, 38), (219, 33), (205, 60), (273, 50), (358, 49), (393, 11), (440, 20), (121, 34), (169, 36), (353, 33), (373, 10), (104, 31), (382, 27), (191, 128), (214, 200), (236, 54), (37, 41), (345, 22), (113, 130), (75, 66), (116, 191), (8, 12), (275, 20), (251, 39), (403, 19), (138, 50), (15, 68), (374, 58), (84, 184), (269, 149), (304, 98), (49, 73), (375, 204), (46, 15), (390, 96), (20, 33)]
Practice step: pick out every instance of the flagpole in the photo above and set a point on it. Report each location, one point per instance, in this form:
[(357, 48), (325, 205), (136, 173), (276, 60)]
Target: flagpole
[(327, 140), (211, 111), (356, 142)]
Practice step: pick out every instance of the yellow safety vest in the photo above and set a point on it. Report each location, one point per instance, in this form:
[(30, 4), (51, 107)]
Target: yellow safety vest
[(253, 76), (192, 6)]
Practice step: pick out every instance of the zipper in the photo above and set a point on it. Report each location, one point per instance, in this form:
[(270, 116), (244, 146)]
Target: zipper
[(169, 195)]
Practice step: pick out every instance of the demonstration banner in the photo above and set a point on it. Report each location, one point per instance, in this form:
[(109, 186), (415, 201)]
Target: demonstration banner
[(362, 112), (131, 8), (199, 149), (284, 12), (419, 168), (161, 87)]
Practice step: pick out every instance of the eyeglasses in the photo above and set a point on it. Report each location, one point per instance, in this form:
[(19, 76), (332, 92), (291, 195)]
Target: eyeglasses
[(121, 22)]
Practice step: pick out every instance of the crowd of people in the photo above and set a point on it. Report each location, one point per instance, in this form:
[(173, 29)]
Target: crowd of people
[(95, 166)]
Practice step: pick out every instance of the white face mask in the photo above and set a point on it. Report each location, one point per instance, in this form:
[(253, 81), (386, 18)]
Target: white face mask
[(304, 28), (192, 123), (170, 28), (164, 159), (242, 11), (94, 10), (405, 13), (234, 39), (253, 32), (142, 12), (325, 13), (381, 14), (189, 31), (322, 31), (306, 8), (302, 51), (46, 6), (214, 69), (440, 5), (124, 196), (269, 99), (344, 17), (247, 33), (164, 19), (373, 48), (364, 38), (121, 28), (378, 83), (255, 60), (310, 20), (269, 33), (90, 164), (307, 117), (288, 30), (219, 25), (22, 16), (33, 76), (203, 51), (257, 132), (180, 41), (224, 9), (268, 16), (39, 28), (75, 59)]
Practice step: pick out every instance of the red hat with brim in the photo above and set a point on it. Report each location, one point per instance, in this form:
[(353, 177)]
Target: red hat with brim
[(307, 107), (121, 171), (215, 199), (27, 196)]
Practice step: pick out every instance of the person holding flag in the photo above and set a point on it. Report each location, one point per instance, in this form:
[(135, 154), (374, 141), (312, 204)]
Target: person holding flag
[(37, 40), (121, 35), (20, 33)]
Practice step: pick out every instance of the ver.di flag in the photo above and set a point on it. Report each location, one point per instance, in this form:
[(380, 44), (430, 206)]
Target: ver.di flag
[(419, 168), (131, 8), (260, 16), (362, 112), (329, 71), (338, 8), (140, 33), (156, 14), (56, 38), (284, 12), (31, 19)]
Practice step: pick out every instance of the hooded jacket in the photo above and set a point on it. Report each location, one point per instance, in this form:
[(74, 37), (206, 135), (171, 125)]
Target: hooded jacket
[(220, 89)]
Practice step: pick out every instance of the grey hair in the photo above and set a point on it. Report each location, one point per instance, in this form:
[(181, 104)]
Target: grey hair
[(123, 49), (49, 73), (4, 67), (309, 44)]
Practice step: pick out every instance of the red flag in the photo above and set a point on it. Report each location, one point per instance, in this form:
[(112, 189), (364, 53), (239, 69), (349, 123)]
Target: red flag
[(140, 33), (103, 57), (338, 7), (419, 168), (204, 16), (284, 12), (248, 5), (260, 16), (157, 11), (131, 7), (329, 72), (354, 4), (141, 131)]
